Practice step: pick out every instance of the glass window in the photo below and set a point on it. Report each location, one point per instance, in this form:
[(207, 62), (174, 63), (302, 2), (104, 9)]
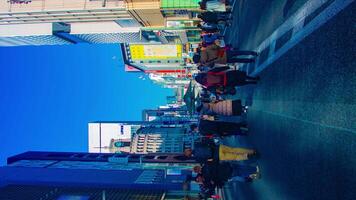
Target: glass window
[(128, 23), (179, 4)]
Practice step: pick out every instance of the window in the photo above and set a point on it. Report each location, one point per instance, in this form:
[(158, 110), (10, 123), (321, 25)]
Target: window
[(128, 23), (162, 157), (148, 157), (179, 4)]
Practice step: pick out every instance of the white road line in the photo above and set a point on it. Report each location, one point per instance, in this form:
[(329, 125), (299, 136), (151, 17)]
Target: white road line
[(232, 11), (298, 16), (308, 121), (296, 22), (225, 31)]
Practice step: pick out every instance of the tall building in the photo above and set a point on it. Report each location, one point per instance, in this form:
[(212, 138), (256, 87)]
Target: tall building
[(111, 137), (140, 137), (156, 35), (168, 115), (160, 139), (50, 22), (73, 175)]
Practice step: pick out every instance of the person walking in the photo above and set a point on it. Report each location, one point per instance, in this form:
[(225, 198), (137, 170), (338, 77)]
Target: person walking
[(214, 54), (213, 174), (221, 20), (204, 152), (222, 108), (216, 126), (215, 6), (220, 173), (214, 17), (224, 77), (244, 173), (210, 38), (208, 27)]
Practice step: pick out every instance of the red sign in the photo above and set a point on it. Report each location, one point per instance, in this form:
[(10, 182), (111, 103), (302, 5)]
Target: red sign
[(129, 68)]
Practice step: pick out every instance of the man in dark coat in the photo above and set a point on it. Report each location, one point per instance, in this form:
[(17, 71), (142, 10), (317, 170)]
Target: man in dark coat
[(221, 128), (217, 174), (214, 17), (208, 27), (203, 152)]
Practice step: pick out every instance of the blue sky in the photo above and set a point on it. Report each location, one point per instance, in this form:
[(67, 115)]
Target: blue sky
[(48, 94)]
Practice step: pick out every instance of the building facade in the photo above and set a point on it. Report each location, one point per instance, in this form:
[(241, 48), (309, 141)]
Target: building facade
[(161, 139), (53, 22), (167, 135), (168, 115), (73, 175), (111, 137), (156, 35)]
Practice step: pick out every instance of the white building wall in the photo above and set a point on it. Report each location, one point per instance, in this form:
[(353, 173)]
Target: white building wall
[(101, 134), (25, 29), (36, 40), (93, 137), (100, 27), (41, 5), (44, 11)]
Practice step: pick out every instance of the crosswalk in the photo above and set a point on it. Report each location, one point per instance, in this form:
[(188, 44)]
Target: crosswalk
[(307, 19)]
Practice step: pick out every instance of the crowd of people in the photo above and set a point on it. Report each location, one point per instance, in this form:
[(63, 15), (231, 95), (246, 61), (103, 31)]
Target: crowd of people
[(220, 116)]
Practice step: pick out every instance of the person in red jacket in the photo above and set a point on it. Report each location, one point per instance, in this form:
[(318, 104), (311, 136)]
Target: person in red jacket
[(224, 77)]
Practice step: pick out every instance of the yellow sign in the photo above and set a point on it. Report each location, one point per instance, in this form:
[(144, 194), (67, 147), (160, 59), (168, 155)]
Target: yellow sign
[(155, 52)]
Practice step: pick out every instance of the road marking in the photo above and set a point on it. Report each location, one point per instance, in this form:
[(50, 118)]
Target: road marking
[(232, 11), (295, 23), (308, 121)]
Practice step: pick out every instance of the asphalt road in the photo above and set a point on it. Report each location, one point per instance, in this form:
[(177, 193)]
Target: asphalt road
[(302, 115)]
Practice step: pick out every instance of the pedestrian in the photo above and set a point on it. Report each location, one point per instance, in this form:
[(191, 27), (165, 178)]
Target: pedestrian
[(214, 17), (214, 54), (202, 4), (213, 174), (215, 6), (208, 27), (220, 173), (206, 189), (223, 108), (210, 38), (244, 173), (218, 91), (212, 125), (203, 68), (224, 77), (205, 152), (197, 57), (194, 128), (240, 121)]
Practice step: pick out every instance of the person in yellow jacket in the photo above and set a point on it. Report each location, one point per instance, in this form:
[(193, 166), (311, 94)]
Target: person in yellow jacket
[(204, 152)]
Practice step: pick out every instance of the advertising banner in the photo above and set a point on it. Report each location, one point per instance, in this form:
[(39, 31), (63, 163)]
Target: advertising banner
[(155, 52)]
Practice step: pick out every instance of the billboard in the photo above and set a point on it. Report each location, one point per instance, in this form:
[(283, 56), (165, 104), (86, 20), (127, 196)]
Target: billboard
[(153, 58), (143, 52)]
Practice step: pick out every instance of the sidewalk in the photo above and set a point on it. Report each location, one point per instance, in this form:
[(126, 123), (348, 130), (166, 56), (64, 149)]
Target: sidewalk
[(301, 115)]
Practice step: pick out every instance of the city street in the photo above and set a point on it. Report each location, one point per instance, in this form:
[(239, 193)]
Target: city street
[(302, 115), (135, 99)]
